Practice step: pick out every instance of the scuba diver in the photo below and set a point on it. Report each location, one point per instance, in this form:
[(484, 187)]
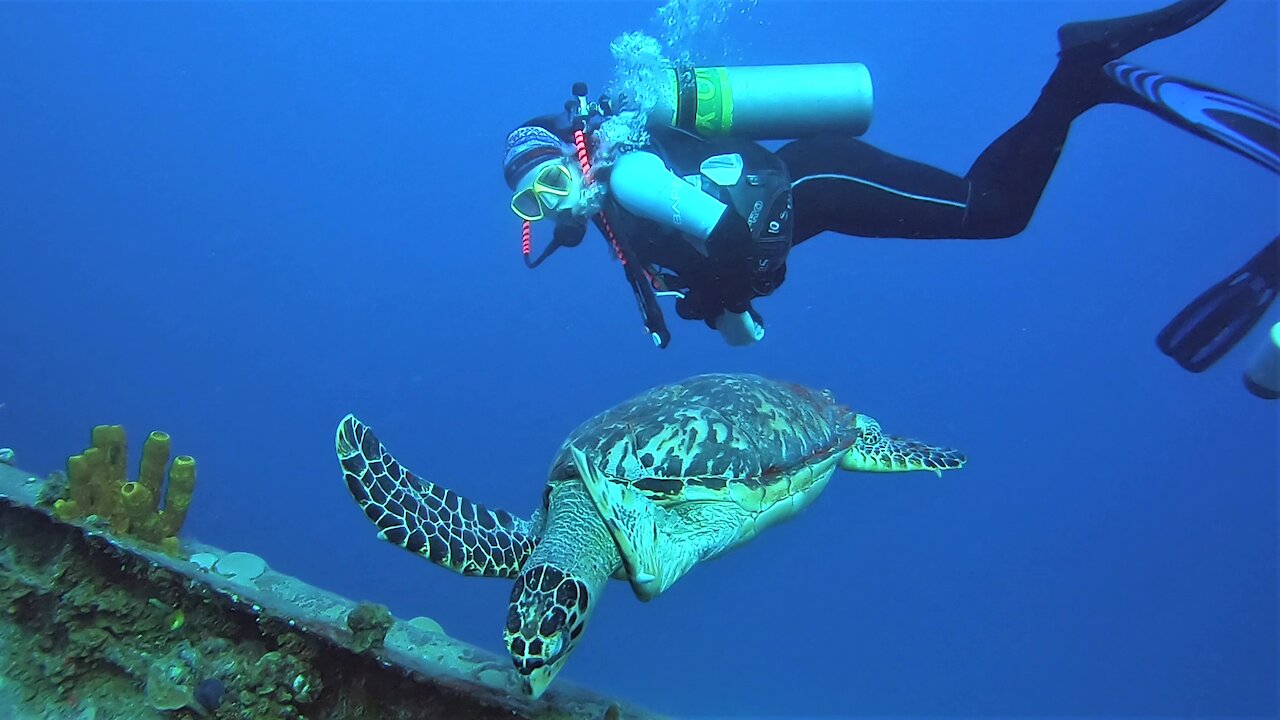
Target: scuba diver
[(702, 212)]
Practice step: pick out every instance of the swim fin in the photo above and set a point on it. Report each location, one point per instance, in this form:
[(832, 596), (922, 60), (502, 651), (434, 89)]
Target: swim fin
[(1238, 124), (1096, 42), (1221, 316)]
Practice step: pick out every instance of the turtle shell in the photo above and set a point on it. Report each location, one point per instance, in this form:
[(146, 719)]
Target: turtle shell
[(691, 439), (686, 471)]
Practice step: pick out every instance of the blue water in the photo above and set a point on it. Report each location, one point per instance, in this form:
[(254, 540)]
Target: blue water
[(238, 222)]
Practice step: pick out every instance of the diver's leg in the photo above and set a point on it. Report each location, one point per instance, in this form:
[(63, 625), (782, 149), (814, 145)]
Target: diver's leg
[(1097, 42), (847, 186), (1009, 177)]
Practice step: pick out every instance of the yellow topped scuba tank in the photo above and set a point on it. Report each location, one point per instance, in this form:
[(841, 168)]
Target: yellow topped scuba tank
[(767, 102)]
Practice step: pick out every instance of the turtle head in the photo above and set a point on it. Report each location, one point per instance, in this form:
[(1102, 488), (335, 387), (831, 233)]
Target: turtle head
[(548, 612)]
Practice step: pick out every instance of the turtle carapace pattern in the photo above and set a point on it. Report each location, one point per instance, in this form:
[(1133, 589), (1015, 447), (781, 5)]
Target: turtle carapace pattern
[(641, 492)]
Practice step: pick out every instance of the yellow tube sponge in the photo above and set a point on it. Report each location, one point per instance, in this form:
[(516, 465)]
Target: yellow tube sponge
[(177, 497), (110, 440), (155, 455), (97, 486), (80, 480), (94, 477), (138, 506)]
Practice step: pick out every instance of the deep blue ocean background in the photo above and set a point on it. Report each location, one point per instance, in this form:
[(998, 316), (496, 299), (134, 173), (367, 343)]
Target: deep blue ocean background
[(237, 222)]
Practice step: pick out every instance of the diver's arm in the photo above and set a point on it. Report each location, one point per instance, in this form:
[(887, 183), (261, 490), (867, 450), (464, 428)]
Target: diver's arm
[(642, 184)]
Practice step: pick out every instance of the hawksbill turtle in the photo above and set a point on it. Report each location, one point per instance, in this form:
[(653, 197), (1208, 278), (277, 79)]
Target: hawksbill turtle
[(643, 492)]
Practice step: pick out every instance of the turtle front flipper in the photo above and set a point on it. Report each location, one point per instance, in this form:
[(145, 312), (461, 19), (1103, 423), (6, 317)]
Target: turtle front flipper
[(423, 517), (876, 452), (657, 546)]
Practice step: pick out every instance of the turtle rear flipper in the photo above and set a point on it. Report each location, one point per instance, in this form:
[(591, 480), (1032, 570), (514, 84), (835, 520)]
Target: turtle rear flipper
[(876, 452), (423, 517)]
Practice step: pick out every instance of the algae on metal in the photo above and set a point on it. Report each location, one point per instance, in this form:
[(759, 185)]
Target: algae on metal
[(369, 623), (87, 634), (95, 628), (148, 509)]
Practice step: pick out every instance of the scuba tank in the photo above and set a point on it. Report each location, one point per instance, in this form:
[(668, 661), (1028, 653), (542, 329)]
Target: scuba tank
[(775, 102), (1262, 377), (767, 102)]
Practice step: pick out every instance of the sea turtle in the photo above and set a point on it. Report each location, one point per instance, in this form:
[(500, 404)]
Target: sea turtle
[(641, 492)]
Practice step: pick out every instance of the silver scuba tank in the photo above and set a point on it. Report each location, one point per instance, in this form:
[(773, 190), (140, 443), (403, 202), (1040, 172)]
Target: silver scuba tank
[(768, 102)]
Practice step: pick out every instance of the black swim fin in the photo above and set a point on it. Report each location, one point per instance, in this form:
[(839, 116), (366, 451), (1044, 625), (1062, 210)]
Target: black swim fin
[(1236, 123), (1097, 42), (1084, 48), (1222, 315)]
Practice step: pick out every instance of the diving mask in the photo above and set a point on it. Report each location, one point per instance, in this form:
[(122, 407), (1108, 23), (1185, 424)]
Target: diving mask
[(553, 182)]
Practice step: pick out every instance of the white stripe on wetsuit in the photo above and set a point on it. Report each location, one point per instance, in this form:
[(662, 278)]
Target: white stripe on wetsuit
[(878, 186)]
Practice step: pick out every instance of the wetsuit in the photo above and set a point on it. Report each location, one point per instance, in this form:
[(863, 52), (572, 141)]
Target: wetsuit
[(844, 185), (847, 186)]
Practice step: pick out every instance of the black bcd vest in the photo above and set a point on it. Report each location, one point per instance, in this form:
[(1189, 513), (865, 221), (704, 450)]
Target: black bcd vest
[(762, 196)]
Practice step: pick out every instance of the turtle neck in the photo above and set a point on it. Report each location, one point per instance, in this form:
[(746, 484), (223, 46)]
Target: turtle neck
[(575, 539)]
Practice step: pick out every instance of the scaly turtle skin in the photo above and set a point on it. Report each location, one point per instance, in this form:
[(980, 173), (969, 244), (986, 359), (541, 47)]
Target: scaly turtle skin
[(643, 492)]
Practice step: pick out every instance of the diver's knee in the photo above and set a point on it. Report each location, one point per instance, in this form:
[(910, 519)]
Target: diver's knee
[(1007, 230), (995, 225)]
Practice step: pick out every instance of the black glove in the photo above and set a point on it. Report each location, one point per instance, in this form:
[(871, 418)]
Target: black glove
[(698, 304), (726, 279)]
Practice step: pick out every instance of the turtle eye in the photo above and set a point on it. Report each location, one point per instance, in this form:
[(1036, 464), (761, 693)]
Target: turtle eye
[(552, 645), (565, 471)]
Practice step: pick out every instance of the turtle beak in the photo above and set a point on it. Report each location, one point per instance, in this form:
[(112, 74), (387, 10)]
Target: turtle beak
[(536, 682)]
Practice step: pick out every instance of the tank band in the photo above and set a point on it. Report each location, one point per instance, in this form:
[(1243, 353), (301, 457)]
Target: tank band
[(715, 102), (686, 94)]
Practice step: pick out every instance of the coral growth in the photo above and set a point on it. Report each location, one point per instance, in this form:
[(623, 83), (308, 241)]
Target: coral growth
[(97, 487), (84, 628), (89, 629), (369, 623)]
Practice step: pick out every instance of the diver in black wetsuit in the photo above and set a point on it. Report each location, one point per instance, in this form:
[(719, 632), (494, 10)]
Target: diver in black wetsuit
[(721, 244)]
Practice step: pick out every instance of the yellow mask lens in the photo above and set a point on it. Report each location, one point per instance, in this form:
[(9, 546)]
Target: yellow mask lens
[(526, 205), (554, 180)]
